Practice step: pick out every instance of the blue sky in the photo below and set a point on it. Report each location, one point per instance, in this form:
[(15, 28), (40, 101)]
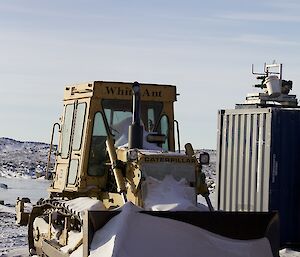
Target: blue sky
[(205, 48)]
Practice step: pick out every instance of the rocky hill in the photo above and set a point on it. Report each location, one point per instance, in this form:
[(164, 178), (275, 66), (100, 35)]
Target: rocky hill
[(18, 159)]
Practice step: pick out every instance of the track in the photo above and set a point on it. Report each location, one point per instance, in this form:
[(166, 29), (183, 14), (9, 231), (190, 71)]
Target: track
[(65, 216)]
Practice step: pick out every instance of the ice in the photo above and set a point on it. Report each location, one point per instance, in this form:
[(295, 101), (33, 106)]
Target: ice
[(32, 188), (133, 234)]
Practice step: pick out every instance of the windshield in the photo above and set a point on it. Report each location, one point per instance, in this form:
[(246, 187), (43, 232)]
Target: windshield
[(116, 111)]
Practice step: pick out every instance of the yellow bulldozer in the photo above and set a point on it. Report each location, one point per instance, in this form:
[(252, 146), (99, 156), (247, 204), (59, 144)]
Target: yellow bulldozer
[(113, 137)]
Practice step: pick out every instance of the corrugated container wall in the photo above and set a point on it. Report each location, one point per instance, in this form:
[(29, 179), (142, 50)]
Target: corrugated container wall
[(258, 164)]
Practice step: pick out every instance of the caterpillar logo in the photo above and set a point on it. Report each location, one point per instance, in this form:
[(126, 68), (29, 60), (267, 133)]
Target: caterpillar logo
[(169, 159), (128, 92)]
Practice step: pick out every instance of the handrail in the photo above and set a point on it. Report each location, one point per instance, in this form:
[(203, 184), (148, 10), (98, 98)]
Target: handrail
[(51, 146), (177, 130)]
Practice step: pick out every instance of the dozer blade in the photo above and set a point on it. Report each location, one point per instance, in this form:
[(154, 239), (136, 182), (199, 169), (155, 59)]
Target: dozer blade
[(235, 225)]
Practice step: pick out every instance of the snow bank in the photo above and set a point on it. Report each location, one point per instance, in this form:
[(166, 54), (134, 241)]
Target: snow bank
[(169, 194), (133, 234)]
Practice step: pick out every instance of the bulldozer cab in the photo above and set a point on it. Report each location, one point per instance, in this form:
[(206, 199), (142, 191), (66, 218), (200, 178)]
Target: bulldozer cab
[(95, 110)]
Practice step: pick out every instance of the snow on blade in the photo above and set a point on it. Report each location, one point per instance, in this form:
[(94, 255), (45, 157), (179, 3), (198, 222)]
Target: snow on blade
[(169, 194), (133, 234)]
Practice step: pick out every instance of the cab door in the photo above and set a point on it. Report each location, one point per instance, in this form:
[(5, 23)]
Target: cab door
[(76, 142), (71, 144)]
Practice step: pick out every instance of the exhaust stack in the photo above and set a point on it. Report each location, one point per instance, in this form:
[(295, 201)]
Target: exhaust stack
[(135, 131)]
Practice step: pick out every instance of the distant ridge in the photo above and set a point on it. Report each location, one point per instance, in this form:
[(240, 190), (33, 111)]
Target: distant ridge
[(23, 158), (18, 141)]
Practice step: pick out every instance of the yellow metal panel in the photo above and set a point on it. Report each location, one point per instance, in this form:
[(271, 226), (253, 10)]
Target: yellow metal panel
[(120, 90)]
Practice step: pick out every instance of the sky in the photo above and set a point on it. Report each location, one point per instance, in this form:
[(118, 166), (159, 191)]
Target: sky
[(205, 48)]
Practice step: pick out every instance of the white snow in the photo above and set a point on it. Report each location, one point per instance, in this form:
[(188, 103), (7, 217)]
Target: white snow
[(169, 194), (120, 130), (7, 209), (12, 236), (81, 204), (41, 224), (28, 207), (289, 253), (133, 234), (75, 239), (78, 252)]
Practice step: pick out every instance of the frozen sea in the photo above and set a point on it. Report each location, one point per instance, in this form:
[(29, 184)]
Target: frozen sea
[(34, 189)]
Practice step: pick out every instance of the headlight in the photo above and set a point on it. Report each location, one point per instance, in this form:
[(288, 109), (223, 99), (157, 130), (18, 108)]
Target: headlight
[(132, 154), (204, 158)]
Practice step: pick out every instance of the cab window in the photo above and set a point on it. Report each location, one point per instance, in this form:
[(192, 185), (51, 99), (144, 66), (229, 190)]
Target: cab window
[(78, 128), (73, 171), (97, 156), (66, 130), (118, 112), (164, 129)]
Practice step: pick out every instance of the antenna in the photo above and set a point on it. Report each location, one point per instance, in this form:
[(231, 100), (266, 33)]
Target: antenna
[(268, 69), (275, 89)]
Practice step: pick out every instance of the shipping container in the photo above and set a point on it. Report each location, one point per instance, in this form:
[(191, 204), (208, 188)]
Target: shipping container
[(258, 164)]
